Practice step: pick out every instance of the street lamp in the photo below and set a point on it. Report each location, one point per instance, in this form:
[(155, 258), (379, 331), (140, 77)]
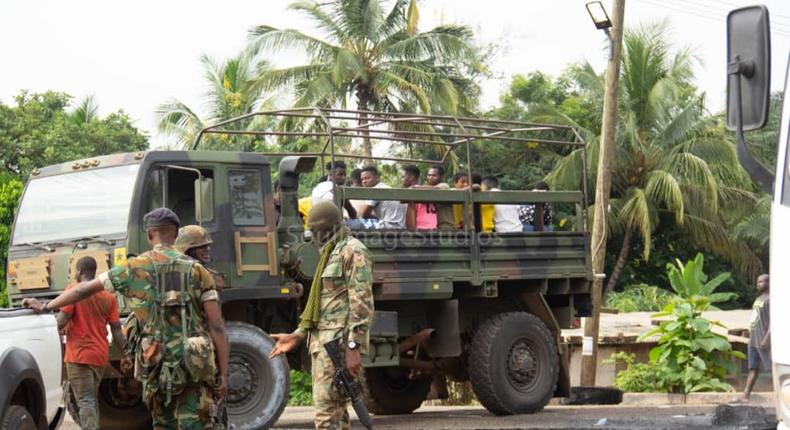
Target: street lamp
[(601, 20), (599, 16)]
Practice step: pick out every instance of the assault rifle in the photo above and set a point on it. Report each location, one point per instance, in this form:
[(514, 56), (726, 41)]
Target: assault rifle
[(346, 384)]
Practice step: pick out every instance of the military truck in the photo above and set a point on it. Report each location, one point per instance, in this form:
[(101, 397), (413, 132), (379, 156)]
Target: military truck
[(461, 304)]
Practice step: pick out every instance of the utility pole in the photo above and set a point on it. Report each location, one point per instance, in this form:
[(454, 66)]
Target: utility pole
[(602, 189)]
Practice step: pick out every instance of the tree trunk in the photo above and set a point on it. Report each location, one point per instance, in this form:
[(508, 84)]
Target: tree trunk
[(625, 248), (362, 107)]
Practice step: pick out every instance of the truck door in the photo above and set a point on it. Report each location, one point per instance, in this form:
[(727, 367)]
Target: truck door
[(253, 230)]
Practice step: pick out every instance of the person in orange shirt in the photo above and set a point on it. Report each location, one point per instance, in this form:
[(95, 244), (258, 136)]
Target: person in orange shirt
[(87, 350)]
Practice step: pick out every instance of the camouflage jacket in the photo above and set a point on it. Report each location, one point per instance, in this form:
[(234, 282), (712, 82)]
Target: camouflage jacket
[(136, 280), (346, 296)]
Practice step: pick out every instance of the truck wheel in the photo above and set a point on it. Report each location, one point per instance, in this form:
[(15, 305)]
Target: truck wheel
[(120, 405), (513, 364), (389, 391), (17, 418), (258, 386)]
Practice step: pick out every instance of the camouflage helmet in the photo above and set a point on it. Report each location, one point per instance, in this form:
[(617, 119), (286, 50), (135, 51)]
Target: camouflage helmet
[(324, 216), (192, 236)]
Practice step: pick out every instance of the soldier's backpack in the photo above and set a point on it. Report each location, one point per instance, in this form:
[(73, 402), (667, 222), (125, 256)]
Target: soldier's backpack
[(175, 347)]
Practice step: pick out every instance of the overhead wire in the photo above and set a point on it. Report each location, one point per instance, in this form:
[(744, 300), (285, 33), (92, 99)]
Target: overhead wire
[(711, 15)]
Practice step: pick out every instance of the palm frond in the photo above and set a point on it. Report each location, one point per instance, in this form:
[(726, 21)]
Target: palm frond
[(664, 188), (639, 216), (86, 111), (322, 18), (264, 38), (177, 120)]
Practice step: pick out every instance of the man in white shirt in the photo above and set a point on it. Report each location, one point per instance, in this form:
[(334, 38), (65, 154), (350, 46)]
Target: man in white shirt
[(505, 216), (390, 213), (336, 176)]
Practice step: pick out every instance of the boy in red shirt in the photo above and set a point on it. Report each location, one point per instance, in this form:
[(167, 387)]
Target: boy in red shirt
[(87, 350)]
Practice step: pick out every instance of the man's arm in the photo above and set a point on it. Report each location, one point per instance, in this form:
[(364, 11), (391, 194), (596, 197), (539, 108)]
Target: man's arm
[(352, 212), (118, 339), (766, 341), (63, 319), (216, 328), (367, 211), (79, 292), (360, 297)]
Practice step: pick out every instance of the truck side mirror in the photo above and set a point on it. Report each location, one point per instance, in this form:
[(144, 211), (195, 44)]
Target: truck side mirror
[(204, 200), (748, 64), (748, 82)]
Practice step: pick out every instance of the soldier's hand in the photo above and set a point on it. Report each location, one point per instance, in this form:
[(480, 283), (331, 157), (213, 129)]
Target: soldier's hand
[(286, 342), (221, 389), (354, 362), (127, 364), (35, 304)]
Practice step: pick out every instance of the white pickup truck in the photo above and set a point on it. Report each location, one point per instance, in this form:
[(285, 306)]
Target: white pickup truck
[(30, 371)]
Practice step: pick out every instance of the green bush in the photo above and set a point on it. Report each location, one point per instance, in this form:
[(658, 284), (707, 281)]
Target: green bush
[(637, 377), (689, 356), (301, 389), (639, 298)]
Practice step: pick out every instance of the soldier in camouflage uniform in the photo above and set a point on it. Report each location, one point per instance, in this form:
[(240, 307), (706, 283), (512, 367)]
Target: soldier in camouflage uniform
[(194, 241), (343, 290), (182, 331)]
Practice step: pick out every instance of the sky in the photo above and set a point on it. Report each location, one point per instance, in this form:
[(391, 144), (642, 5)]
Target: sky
[(135, 55)]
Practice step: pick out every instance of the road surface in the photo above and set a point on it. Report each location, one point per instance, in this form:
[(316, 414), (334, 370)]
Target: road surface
[(553, 418)]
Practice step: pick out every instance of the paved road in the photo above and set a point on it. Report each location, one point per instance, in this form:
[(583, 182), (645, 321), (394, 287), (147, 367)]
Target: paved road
[(551, 418)]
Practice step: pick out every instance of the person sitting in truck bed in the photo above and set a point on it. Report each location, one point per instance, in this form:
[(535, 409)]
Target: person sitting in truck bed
[(324, 190), (389, 213), (445, 216), (527, 213), (419, 215), (505, 216)]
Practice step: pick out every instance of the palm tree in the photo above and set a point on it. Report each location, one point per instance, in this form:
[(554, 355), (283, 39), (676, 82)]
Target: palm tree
[(233, 91), (86, 111), (379, 58), (673, 163)]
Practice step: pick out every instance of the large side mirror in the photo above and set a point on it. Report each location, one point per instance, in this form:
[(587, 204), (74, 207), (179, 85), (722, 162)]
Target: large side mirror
[(204, 200), (749, 63), (748, 82)]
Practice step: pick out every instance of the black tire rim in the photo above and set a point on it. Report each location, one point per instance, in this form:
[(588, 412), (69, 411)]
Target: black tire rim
[(247, 382), (522, 365)]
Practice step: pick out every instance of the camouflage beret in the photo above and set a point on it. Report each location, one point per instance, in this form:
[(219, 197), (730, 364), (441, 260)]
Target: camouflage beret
[(161, 217)]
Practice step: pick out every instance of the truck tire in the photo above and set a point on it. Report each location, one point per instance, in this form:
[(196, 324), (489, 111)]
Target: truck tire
[(17, 418), (389, 391), (513, 364), (121, 405), (258, 387)]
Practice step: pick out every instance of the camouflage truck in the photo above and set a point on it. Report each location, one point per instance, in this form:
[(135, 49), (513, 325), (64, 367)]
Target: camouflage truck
[(461, 305)]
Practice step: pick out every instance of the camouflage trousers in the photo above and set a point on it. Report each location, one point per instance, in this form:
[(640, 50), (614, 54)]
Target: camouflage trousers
[(331, 410), (189, 410)]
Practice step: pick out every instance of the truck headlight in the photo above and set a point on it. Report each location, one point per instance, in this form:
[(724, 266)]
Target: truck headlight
[(782, 387)]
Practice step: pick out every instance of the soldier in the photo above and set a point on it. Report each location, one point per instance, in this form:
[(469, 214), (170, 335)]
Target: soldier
[(340, 305), (194, 241), (177, 305)]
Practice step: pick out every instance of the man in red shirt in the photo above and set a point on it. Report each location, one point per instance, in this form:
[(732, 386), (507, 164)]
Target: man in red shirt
[(87, 350)]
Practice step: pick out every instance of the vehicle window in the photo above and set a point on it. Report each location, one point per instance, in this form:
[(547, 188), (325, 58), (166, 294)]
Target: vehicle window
[(245, 197), (74, 205), (180, 195), (154, 190)]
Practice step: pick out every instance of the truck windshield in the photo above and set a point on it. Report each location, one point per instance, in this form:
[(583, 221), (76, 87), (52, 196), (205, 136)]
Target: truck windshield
[(75, 205)]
